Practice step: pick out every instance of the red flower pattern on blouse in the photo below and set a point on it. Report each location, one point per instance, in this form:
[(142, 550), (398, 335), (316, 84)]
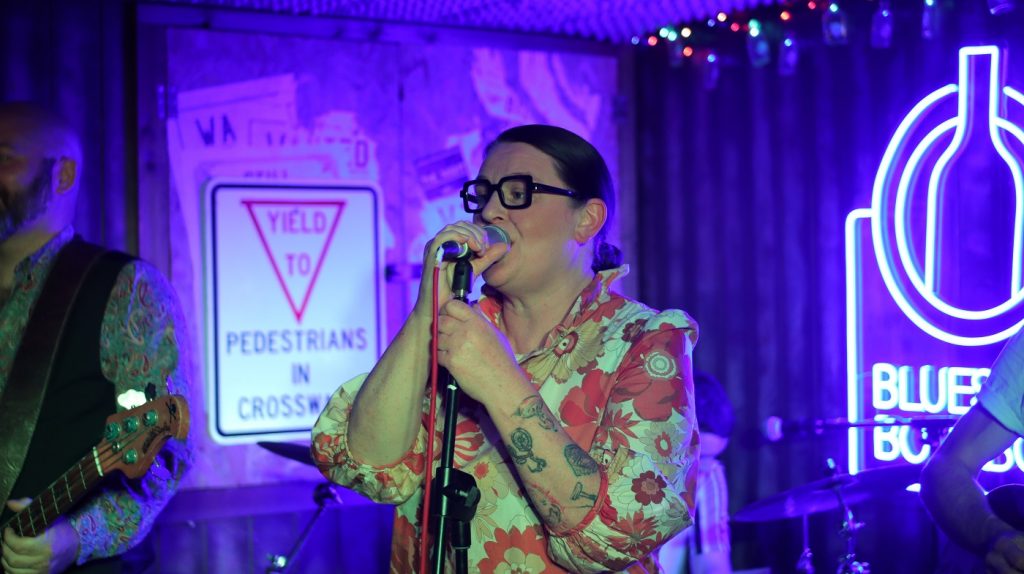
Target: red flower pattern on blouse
[(649, 488), (641, 534), (515, 552), (651, 382), (582, 405), (618, 427)]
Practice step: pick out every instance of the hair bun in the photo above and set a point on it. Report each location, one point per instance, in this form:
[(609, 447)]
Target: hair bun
[(606, 256)]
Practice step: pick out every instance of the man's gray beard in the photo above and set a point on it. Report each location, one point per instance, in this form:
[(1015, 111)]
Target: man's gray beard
[(29, 206)]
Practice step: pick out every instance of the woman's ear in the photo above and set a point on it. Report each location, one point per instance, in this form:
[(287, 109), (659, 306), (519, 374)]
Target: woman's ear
[(592, 217)]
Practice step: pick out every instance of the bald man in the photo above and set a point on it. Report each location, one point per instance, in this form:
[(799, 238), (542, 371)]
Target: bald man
[(120, 342)]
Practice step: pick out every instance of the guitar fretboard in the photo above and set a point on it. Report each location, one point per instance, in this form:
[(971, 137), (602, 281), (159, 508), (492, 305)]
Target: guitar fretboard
[(61, 495)]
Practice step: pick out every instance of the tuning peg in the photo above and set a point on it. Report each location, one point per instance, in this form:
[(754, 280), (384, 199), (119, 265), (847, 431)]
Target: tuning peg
[(131, 456)]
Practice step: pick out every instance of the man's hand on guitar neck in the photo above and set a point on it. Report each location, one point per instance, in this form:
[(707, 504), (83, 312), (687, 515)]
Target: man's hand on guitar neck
[(53, 552)]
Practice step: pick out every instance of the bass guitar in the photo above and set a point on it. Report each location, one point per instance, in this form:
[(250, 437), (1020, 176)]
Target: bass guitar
[(131, 441)]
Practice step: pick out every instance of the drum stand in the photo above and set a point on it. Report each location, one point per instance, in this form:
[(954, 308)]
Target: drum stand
[(848, 563), (322, 495), (805, 565)]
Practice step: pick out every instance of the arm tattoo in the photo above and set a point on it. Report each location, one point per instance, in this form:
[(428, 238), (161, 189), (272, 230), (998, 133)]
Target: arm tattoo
[(521, 450), (578, 493), (545, 503), (579, 461), (534, 407)]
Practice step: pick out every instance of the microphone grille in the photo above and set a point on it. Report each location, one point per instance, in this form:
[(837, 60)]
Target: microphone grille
[(495, 234)]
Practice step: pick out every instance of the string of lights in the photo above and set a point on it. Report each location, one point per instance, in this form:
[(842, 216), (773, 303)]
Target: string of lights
[(771, 31)]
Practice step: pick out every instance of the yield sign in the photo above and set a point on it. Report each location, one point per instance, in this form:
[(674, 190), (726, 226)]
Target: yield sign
[(296, 235)]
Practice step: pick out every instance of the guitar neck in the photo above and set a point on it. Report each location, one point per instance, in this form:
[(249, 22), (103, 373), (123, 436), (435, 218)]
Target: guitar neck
[(61, 495)]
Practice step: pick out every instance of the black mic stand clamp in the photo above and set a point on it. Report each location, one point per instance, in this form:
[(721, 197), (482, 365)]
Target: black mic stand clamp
[(455, 494)]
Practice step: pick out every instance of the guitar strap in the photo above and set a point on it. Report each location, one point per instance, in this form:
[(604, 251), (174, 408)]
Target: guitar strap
[(30, 373)]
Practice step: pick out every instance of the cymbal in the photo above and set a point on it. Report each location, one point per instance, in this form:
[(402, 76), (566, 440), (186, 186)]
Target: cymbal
[(297, 452), (819, 496)]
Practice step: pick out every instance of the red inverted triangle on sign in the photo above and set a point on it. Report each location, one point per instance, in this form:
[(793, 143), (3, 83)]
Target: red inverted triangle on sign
[(296, 236)]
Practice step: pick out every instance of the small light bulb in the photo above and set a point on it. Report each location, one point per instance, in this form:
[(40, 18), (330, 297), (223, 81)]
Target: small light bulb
[(833, 25), (882, 26), (711, 71), (789, 55), (930, 20)]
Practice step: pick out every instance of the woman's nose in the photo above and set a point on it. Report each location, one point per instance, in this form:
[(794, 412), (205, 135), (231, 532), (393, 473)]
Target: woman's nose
[(492, 209)]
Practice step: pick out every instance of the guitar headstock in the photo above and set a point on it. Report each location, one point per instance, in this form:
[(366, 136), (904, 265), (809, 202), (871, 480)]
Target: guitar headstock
[(132, 438)]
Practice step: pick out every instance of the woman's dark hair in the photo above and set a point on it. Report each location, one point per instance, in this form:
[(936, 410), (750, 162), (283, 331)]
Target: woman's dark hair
[(714, 409), (582, 169)]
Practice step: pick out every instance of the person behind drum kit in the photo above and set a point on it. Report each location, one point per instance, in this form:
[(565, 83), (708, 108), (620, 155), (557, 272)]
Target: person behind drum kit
[(705, 548), (949, 487), (580, 432)]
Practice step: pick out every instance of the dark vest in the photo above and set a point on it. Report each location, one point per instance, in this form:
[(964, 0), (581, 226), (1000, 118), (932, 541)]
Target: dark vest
[(78, 397)]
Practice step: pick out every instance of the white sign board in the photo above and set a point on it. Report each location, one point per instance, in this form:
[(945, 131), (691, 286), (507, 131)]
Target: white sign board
[(294, 288)]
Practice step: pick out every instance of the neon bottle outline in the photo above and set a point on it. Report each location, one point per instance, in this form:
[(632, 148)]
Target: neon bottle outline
[(977, 66), (909, 285)]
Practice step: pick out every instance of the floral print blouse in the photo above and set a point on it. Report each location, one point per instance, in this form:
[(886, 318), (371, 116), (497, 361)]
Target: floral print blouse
[(618, 376), (141, 342)]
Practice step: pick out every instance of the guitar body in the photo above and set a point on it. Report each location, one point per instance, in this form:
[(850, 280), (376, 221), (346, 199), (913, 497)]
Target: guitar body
[(1007, 502)]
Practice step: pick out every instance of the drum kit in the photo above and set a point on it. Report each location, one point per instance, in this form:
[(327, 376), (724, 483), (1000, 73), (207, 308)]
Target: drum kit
[(838, 491)]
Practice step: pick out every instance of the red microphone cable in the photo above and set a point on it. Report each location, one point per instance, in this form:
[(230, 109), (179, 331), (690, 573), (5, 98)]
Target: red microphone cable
[(432, 421)]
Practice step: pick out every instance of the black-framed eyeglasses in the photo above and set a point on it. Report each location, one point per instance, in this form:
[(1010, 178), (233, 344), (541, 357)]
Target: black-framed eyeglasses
[(514, 191)]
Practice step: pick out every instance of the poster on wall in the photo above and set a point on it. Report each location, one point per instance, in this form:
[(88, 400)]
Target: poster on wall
[(294, 297), (934, 269)]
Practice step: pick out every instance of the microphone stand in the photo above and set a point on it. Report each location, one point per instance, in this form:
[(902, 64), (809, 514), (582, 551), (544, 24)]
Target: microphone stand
[(455, 494)]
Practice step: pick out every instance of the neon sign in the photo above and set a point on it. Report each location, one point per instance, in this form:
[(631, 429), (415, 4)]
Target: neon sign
[(922, 325)]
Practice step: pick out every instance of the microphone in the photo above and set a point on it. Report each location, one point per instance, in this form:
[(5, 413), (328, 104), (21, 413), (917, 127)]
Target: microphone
[(454, 250), (775, 429)]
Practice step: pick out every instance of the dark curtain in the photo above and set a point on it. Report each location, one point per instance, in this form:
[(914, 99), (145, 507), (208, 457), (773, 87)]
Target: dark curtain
[(70, 56), (743, 194)]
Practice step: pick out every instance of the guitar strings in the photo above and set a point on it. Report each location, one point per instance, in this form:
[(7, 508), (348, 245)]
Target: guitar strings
[(102, 454)]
